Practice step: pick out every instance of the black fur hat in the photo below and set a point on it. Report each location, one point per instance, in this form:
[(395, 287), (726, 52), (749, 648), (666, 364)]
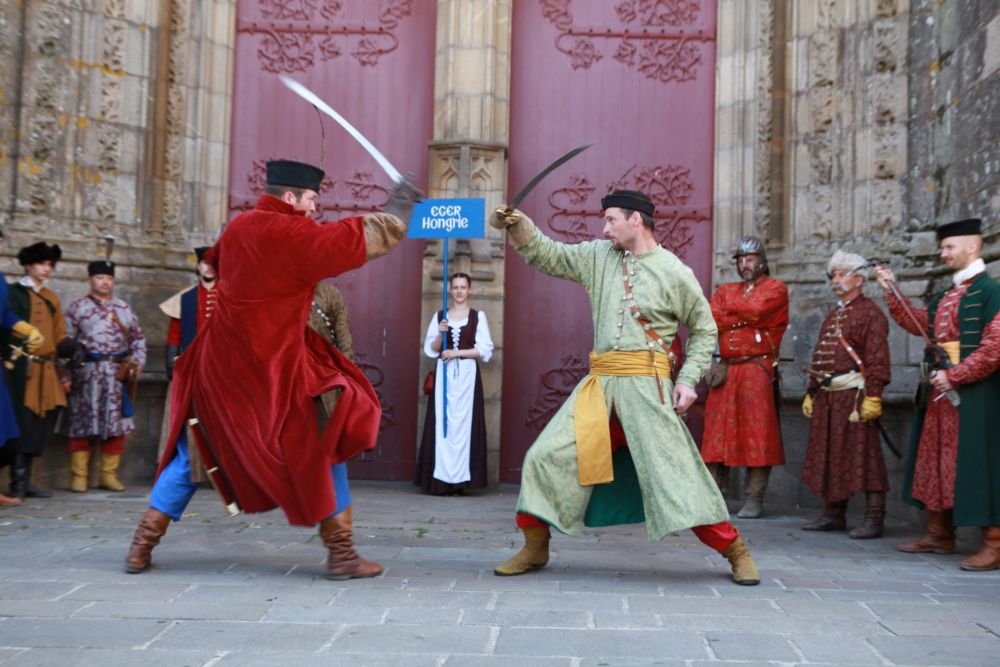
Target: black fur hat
[(39, 252)]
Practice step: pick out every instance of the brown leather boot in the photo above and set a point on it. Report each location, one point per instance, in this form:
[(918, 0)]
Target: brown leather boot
[(534, 554), (343, 561), (871, 527), (147, 535), (757, 478), (988, 556), (940, 537), (833, 517), (79, 468), (745, 571), (109, 472)]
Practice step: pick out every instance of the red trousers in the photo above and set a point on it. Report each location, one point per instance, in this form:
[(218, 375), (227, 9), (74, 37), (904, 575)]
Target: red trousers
[(718, 536), (109, 446)]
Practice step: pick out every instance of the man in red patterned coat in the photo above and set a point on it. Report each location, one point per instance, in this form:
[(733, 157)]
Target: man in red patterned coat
[(850, 368), (741, 415)]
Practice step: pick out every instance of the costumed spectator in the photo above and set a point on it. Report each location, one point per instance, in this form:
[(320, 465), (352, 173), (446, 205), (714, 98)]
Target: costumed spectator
[(850, 369), (449, 464), (953, 468), (37, 387), (101, 407), (617, 451), (255, 396), (752, 316), (189, 310), (328, 317), (12, 324)]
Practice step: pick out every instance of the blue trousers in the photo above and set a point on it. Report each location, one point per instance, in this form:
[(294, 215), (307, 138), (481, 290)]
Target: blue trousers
[(173, 489)]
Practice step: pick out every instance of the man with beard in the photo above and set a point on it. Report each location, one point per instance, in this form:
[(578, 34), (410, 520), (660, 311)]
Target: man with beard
[(741, 414), (252, 380), (617, 450), (953, 470), (100, 407), (850, 368)]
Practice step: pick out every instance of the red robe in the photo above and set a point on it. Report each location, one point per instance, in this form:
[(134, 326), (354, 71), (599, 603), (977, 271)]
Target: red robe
[(845, 457), (253, 370), (741, 419)]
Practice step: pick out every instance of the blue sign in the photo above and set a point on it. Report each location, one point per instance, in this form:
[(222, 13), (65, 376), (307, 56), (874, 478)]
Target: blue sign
[(448, 219)]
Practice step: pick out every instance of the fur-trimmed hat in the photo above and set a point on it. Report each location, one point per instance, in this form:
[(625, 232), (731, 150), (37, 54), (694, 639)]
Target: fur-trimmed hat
[(846, 261), (101, 267), (39, 252)]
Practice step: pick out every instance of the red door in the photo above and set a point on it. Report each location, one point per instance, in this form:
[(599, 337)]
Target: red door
[(637, 77), (374, 63)]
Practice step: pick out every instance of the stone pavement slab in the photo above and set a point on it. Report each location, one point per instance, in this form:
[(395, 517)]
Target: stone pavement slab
[(251, 591)]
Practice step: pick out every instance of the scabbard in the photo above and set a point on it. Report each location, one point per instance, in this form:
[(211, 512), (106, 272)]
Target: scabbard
[(888, 440), (215, 473)]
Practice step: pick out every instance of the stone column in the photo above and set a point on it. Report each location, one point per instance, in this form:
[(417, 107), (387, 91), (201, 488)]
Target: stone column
[(468, 159)]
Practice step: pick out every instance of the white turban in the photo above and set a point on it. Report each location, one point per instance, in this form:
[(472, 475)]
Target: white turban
[(846, 261)]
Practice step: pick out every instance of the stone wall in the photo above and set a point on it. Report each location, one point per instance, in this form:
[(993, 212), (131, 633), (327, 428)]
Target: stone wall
[(859, 124), (114, 121)]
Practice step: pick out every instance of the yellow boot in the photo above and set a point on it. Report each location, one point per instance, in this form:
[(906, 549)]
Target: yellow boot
[(109, 470), (79, 465), (745, 571), (534, 554)]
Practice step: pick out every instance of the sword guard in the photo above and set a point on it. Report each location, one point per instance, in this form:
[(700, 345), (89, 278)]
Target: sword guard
[(504, 217), (193, 421)]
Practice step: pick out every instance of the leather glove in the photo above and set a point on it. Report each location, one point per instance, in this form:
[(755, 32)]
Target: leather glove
[(871, 408), (504, 217), (807, 406), (402, 198), (171, 352), (33, 338)]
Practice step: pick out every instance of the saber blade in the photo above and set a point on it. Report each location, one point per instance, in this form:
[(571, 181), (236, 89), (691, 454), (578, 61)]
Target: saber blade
[(312, 98), (519, 197)]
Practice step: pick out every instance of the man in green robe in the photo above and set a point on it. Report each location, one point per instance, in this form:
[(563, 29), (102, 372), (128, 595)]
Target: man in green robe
[(953, 470), (617, 450)]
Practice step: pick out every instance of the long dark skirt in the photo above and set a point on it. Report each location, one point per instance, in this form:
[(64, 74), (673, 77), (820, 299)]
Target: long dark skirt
[(424, 477)]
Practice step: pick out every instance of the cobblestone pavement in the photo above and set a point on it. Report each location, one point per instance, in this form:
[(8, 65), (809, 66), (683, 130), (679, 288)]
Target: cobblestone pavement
[(250, 591)]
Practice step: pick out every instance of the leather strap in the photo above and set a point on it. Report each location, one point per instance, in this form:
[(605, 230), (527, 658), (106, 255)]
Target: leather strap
[(653, 339)]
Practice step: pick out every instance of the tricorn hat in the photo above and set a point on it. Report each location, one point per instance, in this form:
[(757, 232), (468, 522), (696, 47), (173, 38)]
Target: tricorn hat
[(294, 174), (633, 200), (101, 267), (39, 252), (967, 227)]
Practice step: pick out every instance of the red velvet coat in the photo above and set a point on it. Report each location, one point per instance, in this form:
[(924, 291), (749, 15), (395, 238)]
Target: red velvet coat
[(741, 419), (252, 372)]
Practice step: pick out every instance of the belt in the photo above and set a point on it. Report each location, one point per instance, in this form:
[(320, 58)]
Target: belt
[(954, 349), (590, 413), (119, 358), (843, 381), (735, 361)]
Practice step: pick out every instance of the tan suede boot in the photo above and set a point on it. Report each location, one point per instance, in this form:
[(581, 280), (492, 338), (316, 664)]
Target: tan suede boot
[(988, 556), (152, 527), (834, 517), (79, 468), (871, 527), (940, 537), (534, 554), (745, 571), (343, 561), (109, 472), (757, 478)]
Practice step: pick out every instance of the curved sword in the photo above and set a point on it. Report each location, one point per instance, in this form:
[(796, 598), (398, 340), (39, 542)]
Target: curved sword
[(312, 98), (519, 197)]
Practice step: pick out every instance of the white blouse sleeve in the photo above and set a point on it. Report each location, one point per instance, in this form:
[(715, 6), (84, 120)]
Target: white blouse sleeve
[(432, 332), (484, 343)]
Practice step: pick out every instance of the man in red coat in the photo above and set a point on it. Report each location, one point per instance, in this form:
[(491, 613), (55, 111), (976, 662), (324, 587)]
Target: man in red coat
[(254, 375), (741, 414), (850, 369)]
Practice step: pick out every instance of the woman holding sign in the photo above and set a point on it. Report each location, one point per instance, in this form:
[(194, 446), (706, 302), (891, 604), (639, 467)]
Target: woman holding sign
[(458, 339)]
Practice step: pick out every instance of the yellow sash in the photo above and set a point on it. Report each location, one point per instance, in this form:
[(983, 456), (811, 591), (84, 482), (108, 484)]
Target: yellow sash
[(590, 413), (954, 350)]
